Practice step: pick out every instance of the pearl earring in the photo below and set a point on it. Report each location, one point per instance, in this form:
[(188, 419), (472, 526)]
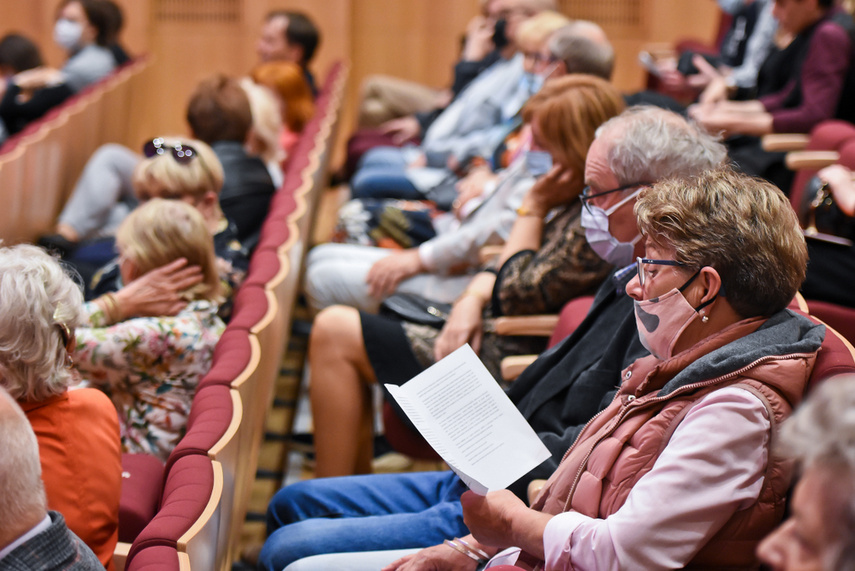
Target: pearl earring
[(704, 318)]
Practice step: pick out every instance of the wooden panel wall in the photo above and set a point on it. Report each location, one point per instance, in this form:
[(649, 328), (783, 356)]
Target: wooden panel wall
[(413, 39)]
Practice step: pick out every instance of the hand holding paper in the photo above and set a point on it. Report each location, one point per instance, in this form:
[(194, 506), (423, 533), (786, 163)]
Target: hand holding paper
[(466, 417)]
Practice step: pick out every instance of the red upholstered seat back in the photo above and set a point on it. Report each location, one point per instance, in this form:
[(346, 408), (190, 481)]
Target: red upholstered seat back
[(155, 558), (188, 487)]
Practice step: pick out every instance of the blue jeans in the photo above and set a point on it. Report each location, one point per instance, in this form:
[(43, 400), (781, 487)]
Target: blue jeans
[(361, 513), (382, 173)]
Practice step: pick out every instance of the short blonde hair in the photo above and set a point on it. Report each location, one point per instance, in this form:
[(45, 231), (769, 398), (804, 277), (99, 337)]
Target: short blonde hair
[(266, 120), (22, 491), (741, 226), (161, 231), (161, 176), (534, 32), (568, 111), (39, 299)]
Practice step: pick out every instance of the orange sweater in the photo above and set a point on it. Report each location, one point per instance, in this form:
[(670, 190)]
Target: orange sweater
[(78, 434)]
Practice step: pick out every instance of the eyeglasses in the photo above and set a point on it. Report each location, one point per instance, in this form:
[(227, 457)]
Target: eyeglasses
[(182, 154), (642, 273), (587, 195)]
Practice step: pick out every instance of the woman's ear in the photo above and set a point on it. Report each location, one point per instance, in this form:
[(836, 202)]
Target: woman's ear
[(711, 281)]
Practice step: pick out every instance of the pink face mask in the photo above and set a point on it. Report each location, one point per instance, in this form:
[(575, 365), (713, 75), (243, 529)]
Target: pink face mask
[(661, 320)]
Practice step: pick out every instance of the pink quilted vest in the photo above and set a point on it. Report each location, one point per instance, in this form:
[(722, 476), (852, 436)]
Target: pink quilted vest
[(621, 444)]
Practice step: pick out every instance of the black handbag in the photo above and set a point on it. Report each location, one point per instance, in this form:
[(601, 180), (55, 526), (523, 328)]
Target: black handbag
[(415, 309), (824, 219)]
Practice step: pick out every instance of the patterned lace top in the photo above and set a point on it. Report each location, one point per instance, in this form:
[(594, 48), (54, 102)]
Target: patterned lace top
[(149, 367)]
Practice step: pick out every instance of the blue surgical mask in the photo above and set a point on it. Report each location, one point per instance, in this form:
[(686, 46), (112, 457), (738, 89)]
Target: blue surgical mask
[(595, 221), (67, 33), (531, 82), (538, 163)]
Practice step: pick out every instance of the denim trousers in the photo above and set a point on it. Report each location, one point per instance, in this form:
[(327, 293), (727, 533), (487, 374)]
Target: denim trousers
[(361, 513), (382, 173)]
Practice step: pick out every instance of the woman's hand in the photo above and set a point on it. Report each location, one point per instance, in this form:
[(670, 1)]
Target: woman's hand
[(556, 188), (839, 180), (158, 292), (489, 518), (37, 78), (436, 558), (464, 325), (386, 273), (472, 186)]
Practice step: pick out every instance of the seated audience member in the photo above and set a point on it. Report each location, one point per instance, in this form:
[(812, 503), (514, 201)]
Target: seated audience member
[(150, 366), (485, 40), (384, 98), (558, 394), (820, 531), (31, 537), (544, 263), (83, 29), (289, 36), (116, 21), (722, 80), (77, 429), (832, 266), (187, 170), (472, 125), (748, 41), (645, 485), (19, 106), (296, 104), (441, 268), (808, 82), (263, 141), (219, 114)]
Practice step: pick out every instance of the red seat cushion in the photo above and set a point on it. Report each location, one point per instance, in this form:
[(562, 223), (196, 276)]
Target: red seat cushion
[(250, 307), (155, 558), (142, 482), (188, 488), (231, 356), (572, 314), (209, 419), (263, 267)]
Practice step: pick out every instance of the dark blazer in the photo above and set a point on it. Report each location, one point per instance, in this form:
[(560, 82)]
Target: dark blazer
[(247, 190), (56, 548), (571, 382)]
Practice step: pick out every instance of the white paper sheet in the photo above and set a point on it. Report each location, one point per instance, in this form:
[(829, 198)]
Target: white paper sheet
[(471, 423)]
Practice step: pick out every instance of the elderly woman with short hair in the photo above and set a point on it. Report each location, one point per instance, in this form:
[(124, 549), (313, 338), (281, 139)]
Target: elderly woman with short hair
[(77, 429), (820, 437), (677, 470), (150, 366)]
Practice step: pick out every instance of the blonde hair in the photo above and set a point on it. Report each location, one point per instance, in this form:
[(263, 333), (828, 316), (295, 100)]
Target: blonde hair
[(743, 227), (568, 111), (534, 32), (161, 176), (39, 299), (161, 231), (287, 80), (266, 120)]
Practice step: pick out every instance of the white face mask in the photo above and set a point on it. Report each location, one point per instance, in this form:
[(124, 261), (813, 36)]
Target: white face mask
[(67, 33), (595, 221)]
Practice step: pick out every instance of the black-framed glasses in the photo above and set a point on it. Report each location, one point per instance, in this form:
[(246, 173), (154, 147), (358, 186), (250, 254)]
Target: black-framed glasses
[(182, 154), (588, 195), (641, 262)]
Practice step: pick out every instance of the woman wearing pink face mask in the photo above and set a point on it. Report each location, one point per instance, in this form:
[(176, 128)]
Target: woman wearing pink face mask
[(676, 471)]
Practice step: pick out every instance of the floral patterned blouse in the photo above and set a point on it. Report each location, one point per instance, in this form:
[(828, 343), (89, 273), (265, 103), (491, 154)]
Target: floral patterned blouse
[(149, 367)]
